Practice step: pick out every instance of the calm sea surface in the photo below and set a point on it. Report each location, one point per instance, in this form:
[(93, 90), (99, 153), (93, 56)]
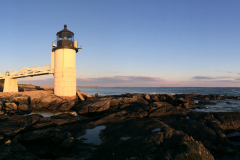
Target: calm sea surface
[(226, 105), (158, 90)]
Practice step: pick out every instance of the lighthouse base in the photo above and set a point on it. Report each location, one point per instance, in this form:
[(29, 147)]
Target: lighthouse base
[(10, 85), (69, 98)]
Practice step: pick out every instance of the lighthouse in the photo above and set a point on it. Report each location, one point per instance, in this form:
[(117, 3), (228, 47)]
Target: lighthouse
[(63, 64)]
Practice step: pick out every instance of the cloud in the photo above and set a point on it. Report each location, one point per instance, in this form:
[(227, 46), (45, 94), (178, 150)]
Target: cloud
[(142, 81), (203, 77), (121, 81), (229, 72), (209, 77)]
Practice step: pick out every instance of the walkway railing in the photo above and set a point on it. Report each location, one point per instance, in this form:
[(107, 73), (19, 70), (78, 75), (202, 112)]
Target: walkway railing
[(28, 72)]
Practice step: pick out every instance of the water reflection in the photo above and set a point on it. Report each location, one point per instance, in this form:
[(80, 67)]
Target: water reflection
[(156, 130), (49, 113), (92, 135), (124, 138)]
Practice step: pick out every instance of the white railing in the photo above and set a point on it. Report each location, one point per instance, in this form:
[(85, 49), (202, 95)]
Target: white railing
[(29, 71)]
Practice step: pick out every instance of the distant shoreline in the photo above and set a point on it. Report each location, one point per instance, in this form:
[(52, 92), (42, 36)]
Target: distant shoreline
[(88, 86)]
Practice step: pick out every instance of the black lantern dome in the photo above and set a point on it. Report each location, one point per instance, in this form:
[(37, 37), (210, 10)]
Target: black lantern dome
[(65, 39)]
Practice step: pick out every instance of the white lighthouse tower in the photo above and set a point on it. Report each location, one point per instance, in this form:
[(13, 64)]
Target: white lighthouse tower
[(63, 64)]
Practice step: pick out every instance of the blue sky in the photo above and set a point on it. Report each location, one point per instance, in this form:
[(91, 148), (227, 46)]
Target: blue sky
[(129, 42)]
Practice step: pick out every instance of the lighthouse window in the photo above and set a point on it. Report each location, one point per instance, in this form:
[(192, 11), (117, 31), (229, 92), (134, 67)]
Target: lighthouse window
[(59, 36), (65, 35), (69, 36)]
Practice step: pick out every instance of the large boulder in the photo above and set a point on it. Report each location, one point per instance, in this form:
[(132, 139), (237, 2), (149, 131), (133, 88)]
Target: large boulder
[(93, 105), (66, 106)]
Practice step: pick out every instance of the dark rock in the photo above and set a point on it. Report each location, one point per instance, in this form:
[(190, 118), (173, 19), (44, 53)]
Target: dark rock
[(66, 106), (147, 139), (11, 126), (64, 146), (65, 118), (39, 136), (1, 105), (114, 102), (155, 98), (1, 139), (188, 105), (93, 105)]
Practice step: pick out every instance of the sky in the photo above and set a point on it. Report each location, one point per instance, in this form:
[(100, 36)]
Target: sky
[(138, 43)]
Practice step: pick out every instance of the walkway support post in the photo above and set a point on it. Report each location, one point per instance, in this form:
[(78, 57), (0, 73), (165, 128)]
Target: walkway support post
[(10, 85)]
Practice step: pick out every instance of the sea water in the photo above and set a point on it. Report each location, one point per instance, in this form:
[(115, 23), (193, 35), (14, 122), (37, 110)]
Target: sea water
[(228, 105), (102, 91)]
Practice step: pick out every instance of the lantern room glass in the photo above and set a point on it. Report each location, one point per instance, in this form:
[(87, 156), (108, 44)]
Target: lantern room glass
[(65, 36)]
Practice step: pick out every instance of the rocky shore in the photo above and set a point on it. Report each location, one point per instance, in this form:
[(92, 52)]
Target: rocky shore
[(125, 127)]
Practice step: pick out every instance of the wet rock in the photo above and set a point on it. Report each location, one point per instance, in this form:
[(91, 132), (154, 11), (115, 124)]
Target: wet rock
[(10, 106), (66, 106), (206, 102)]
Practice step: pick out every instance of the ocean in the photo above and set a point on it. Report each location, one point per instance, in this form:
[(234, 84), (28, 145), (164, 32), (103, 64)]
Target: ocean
[(102, 91), (225, 105)]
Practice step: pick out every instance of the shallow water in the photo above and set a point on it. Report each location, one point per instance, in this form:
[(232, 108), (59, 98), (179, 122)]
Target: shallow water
[(156, 130), (92, 135), (224, 105), (124, 138)]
